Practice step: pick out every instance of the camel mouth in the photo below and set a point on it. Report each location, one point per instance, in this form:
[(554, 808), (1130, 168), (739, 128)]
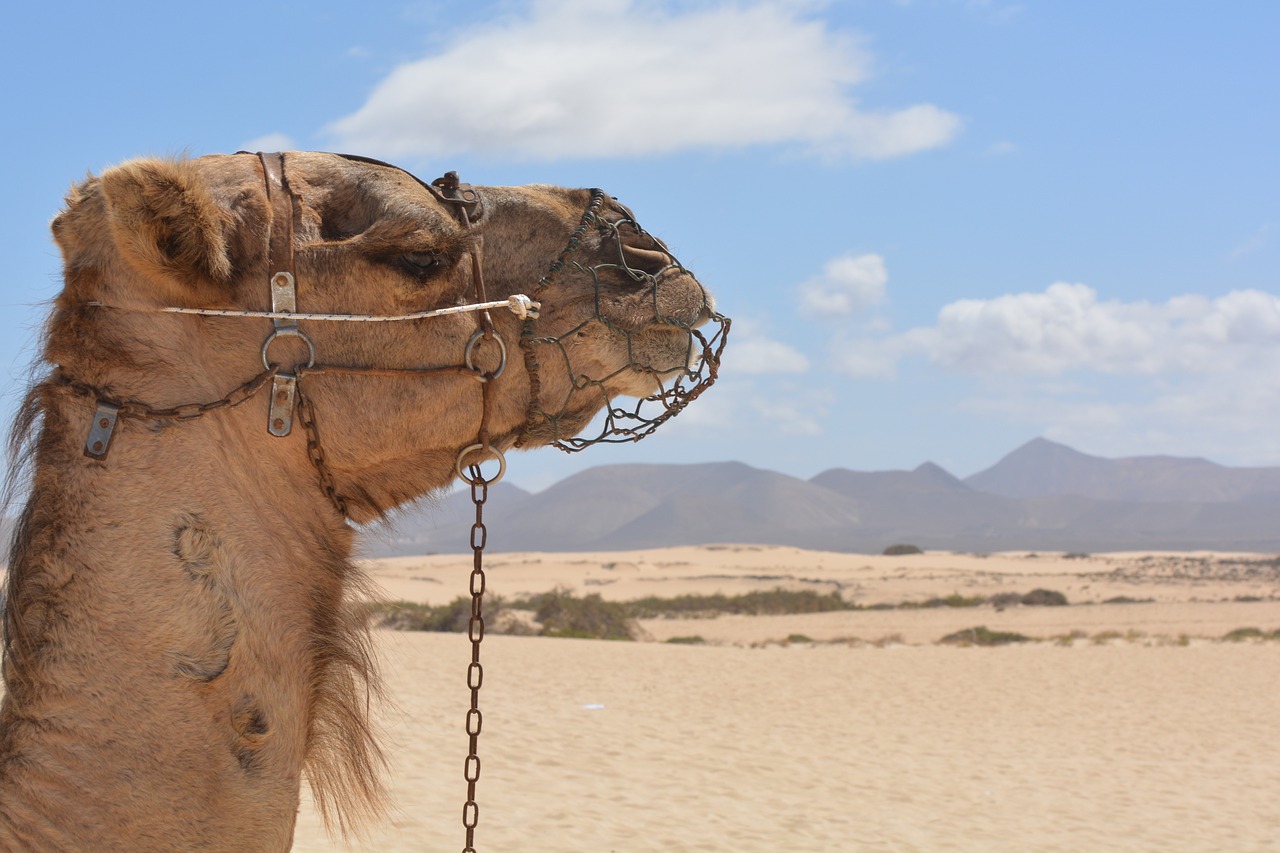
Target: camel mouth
[(661, 368), (639, 325)]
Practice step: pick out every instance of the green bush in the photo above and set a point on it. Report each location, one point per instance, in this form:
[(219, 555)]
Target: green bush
[(982, 636), (411, 616), (1044, 598), (955, 599), (562, 614), (773, 602), (901, 550)]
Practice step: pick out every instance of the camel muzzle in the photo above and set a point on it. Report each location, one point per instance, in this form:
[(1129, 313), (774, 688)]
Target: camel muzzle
[(673, 336)]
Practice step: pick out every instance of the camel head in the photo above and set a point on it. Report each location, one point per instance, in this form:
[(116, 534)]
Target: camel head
[(392, 403)]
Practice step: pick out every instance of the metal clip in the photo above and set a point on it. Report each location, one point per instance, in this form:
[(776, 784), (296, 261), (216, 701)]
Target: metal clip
[(100, 431), (284, 391), (449, 189), (284, 299)]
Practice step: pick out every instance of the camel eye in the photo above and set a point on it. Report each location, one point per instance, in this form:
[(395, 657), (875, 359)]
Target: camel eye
[(422, 263)]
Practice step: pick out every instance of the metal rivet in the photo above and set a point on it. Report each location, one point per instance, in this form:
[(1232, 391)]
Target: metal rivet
[(278, 423), (104, 423), (97, 447)]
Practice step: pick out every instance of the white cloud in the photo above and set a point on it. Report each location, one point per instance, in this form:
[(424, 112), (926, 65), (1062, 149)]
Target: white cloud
[(867, 358), (1225, 417), (1067, 328), (1191, 374), (752, 352), (790, 416), (270, 142), (848, 284), (1002, 148), (601, 78), (1255, 242)]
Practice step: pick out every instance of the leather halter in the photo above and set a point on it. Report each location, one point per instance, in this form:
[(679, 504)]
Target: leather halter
[(280, 228), (463, 199)]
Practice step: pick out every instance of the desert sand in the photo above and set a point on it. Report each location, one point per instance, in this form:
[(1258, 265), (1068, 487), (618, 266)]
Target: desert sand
[(1142, 731)]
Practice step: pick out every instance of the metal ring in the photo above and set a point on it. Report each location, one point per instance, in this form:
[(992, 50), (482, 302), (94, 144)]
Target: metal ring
[(467, 451), (293, 333), (471, 346)]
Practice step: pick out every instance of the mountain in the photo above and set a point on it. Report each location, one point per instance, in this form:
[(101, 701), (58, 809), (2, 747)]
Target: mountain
[(1041, 468), (1042, 496), (614, 507)]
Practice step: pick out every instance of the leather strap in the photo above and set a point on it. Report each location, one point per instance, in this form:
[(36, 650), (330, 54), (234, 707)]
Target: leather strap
[(280, 200)]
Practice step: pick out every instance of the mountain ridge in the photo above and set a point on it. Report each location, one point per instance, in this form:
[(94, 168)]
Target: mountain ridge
[(1042, 495)]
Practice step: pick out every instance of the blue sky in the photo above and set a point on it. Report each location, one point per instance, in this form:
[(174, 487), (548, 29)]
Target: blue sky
[(942, 227)]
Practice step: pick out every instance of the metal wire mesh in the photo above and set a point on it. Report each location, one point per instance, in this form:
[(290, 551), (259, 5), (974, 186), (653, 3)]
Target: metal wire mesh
[(633, 257)]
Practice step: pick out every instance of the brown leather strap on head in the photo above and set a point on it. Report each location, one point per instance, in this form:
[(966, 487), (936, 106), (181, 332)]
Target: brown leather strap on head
[(280, 200)]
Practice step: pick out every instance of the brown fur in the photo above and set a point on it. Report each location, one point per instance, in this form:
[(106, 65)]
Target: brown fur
[(179, 640)]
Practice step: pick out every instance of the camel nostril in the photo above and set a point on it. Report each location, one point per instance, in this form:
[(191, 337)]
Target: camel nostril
[(649, 262)]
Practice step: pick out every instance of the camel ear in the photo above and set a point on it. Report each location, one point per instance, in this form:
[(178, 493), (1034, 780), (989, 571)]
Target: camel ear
[(165, 221)]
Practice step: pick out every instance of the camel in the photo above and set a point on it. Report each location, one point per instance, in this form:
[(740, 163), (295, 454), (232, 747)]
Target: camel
[(179, 646)]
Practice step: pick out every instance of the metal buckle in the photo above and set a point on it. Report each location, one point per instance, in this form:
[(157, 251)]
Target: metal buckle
[(284, 299), (470, 351), (284, 393), (104, 425), (472, 481)]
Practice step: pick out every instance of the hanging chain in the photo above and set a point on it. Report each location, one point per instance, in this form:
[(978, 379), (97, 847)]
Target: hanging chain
[(475, 672), (475, 625), (307, 415)]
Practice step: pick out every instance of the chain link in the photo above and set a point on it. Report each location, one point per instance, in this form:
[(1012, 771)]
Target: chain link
[(184, 412), (307, 416), (475, 672)]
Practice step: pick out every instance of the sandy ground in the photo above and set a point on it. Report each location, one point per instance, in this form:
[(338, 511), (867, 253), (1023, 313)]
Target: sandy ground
[(1162, 740)]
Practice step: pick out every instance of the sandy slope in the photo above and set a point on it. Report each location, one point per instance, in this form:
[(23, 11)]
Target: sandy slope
[(1135, 745), (596, 746)]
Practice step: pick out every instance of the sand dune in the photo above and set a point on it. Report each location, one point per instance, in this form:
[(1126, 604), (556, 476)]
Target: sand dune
[(595, 746)]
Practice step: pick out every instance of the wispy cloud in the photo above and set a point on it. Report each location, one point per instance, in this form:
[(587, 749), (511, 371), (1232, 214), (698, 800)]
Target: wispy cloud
[(755, 353), (1136, 377), (1255, 242), (608, 78), (270, 142), (1068, 328), (848, 284)]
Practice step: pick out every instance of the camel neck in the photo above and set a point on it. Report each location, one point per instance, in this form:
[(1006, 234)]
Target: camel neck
[(168, 670)]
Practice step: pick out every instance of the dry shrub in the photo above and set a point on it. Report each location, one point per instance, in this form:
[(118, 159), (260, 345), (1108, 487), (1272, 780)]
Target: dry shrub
[(983, 636)]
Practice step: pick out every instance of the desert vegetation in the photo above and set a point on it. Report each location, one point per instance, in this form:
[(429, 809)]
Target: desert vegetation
[(562, 613)]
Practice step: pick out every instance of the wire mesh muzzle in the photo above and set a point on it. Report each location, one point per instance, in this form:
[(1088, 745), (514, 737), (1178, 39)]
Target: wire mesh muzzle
[(632, 264)]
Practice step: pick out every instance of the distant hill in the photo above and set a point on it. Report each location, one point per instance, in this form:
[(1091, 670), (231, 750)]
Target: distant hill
[(1042, 496), (1042, 468), (639, 506)]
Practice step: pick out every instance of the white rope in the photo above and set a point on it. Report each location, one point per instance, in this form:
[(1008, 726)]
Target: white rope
[(519, 304)]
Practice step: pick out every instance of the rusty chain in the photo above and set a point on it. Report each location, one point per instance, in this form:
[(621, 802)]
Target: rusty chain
[(185, 412), (307, 415), (475, 671), (479, 539)]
